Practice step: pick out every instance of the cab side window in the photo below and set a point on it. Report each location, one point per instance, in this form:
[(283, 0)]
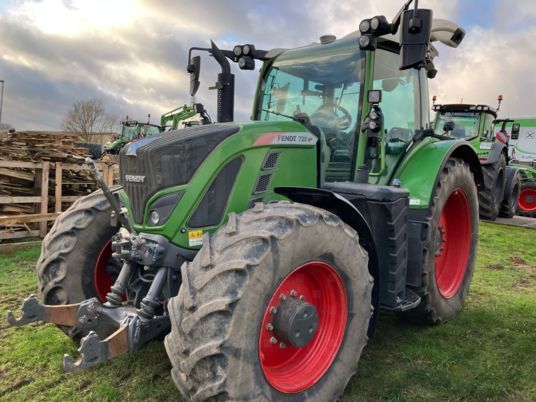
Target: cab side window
[(400, 103)]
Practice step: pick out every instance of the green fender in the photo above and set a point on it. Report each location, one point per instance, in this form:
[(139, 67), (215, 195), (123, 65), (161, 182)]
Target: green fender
[(420, 169), (526, 173)]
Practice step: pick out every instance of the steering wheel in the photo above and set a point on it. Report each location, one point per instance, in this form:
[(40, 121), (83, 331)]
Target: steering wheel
[(339, 117)]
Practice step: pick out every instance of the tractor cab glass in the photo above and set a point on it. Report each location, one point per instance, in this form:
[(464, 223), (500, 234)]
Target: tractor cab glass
[(130, 132), (148, 130), (488, 131), (323, 81), (400, 103), (465, 124)]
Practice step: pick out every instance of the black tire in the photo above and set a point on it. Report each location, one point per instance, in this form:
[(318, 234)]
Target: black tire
[(511, 195), (491, 195), (530, 186), (435, 308), (70, 250), (217, 316)]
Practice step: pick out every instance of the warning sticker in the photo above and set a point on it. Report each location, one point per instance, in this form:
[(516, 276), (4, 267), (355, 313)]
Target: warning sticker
[(195, 238), (414, 201), (485, 145)]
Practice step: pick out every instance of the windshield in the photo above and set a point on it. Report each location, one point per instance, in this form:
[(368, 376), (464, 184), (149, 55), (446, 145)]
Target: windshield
[(130, 132), (148, 131), (323, 81), (465, 124)]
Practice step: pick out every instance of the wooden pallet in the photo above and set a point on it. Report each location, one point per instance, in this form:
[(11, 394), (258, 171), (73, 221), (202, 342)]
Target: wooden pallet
[(42, 209)]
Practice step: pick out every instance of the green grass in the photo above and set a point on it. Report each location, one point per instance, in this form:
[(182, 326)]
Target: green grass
[(487, 353)]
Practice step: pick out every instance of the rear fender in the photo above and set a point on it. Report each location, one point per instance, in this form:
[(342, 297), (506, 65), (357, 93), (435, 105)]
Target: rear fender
[(419, 172), (350, 215), (496, 150)]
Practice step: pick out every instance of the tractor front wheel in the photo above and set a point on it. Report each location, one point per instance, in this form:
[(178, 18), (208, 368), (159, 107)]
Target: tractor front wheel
[(526, 203), (450, 249), (275, 307), (76, 256)]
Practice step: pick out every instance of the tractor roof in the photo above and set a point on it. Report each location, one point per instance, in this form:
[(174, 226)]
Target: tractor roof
[(464, 108)]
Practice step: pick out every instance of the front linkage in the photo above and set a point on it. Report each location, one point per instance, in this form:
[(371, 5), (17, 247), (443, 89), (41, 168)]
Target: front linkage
[(114, 328)]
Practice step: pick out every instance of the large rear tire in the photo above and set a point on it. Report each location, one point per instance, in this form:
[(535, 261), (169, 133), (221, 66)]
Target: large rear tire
[(450, 249), (491, 195), (526, 203), (75, 262), (225, 341)]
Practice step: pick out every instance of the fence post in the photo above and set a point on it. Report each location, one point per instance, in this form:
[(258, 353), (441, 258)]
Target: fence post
[(44, 197), (58, 190)]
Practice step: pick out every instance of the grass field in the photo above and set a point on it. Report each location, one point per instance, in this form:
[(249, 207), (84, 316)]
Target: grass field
[(487, 353)]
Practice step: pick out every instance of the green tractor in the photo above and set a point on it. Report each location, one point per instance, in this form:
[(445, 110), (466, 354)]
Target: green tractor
[(521, 144), (131, 131), (508, 186), (185, 115), (264, 250)]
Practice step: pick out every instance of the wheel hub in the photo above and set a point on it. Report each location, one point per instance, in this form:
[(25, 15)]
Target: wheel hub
[(295, 322)]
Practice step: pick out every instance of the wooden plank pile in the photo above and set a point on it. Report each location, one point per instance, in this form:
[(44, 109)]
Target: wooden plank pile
[(41, 173)]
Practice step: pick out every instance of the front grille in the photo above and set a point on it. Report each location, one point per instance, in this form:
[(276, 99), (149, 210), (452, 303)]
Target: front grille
[(167, 160)]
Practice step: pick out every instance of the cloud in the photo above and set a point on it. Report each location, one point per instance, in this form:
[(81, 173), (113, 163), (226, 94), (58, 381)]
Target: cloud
[(133, 54)]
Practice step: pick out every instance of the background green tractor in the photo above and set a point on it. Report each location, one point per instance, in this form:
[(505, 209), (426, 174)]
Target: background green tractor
[(522, 152), (185, 114), (131, 131), (475, 124), (264, 250)]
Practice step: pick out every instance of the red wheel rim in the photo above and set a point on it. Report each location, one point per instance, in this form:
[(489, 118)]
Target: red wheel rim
[(291, 369), (527, 199), (101, 278), (454, 245)]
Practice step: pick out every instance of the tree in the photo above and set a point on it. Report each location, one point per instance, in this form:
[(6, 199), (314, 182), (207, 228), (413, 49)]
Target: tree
[(88, 118)]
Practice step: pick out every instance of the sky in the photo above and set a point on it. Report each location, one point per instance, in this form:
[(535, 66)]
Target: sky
[(132, 54)]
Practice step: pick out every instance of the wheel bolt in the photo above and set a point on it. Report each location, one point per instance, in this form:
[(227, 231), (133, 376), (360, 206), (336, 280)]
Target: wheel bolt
[(273, 341), (282, 297), (293, 293), (282, 345), (273, 310), (269, 326)]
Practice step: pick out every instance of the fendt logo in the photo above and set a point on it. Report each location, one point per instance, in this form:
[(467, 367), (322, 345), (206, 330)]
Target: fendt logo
[(134, 178)]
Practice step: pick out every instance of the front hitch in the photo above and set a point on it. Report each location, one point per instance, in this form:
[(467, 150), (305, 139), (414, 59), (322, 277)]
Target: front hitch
[(111, 331)]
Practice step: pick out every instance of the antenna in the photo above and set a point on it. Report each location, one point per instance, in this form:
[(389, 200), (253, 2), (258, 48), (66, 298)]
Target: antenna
[(434, 98), (499, 99)]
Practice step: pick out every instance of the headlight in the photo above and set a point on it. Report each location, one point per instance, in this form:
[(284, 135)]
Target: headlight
[(154, 218), (237, 50), (364, 26)]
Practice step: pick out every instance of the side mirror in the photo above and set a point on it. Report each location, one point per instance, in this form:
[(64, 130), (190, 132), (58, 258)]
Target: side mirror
[(515, 131), (415, 37), (194, 68), (448, 126)]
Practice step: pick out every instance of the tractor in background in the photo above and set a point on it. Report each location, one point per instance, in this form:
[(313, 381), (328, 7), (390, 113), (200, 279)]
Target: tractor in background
[(522, 152), (263, 250), (508, 186), (187, 115), (131, 131)]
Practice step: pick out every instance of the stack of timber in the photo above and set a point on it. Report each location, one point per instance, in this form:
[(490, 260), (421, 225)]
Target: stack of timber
[(41, 173)]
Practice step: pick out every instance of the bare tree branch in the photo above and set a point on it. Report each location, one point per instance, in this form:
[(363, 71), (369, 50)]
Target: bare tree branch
[(88, 118)]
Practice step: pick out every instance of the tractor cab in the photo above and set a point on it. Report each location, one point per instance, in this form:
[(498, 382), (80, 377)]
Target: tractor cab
[(131, 131), (472, 123)]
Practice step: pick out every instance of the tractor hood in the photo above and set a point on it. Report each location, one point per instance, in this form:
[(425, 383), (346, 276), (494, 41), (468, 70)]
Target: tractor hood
[(166, 160)]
